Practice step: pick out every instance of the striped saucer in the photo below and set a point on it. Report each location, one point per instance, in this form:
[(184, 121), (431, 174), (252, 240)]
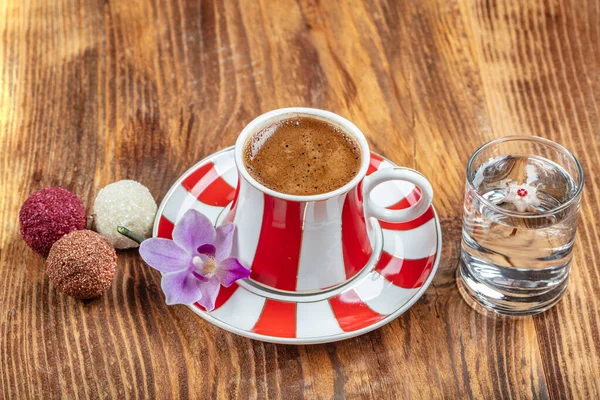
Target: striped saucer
[(406, 257)]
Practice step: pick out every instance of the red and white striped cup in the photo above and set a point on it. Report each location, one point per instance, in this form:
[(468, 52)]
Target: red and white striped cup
[(305, 244)]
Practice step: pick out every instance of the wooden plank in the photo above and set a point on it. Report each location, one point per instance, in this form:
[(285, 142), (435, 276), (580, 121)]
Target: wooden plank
[(93, 91), (540, 63)]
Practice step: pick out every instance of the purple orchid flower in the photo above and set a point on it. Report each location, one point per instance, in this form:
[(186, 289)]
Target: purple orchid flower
[(196, 262)]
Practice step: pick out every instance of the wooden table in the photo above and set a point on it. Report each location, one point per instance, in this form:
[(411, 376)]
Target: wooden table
[(96, 91)]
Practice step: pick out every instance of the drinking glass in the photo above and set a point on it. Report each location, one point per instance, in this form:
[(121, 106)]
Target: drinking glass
[(520, 218)]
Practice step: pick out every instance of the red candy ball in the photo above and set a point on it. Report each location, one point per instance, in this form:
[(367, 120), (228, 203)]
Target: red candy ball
[(49, 214)]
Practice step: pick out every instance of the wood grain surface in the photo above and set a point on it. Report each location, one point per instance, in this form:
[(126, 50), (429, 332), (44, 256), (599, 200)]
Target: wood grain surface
[(93, 91)]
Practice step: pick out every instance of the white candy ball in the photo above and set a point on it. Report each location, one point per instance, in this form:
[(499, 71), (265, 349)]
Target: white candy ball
[(127, 203)]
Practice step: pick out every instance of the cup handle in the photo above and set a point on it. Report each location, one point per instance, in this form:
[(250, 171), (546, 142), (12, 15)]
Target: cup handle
[(401, 174)]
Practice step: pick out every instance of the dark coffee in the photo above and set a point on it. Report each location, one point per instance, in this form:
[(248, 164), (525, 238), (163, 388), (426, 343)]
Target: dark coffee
[(302, 156)]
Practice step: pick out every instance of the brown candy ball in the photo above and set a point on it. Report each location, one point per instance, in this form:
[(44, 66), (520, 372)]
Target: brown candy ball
[(82, 264)]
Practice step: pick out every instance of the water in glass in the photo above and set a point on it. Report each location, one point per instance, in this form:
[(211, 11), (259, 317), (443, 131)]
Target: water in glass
[(518, 261)]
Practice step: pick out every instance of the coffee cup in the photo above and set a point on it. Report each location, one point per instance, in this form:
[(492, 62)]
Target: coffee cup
[(308, 244)]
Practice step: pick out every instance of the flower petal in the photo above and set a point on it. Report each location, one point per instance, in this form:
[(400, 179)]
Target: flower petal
[(210, 290), (521, 205), (199, 277), (164, 255), (230, 270), (207, 250), (193, 230), (181, 287), (510, 197), (224, 241)]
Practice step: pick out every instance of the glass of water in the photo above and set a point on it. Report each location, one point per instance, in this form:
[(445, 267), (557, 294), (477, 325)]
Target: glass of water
[(520, 217)]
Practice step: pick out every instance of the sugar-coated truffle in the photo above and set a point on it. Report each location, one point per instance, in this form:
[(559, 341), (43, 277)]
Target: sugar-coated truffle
[(126, 203), (49, 214), (82, 264)]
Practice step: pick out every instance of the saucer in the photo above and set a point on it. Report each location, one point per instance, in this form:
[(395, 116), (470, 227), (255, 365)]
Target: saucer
[(406, 257)]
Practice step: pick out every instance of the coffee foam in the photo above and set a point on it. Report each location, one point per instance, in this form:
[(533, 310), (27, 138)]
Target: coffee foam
[(302, 156)]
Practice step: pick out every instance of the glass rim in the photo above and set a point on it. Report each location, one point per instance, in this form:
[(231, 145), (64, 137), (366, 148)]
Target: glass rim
[(530, 138)]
